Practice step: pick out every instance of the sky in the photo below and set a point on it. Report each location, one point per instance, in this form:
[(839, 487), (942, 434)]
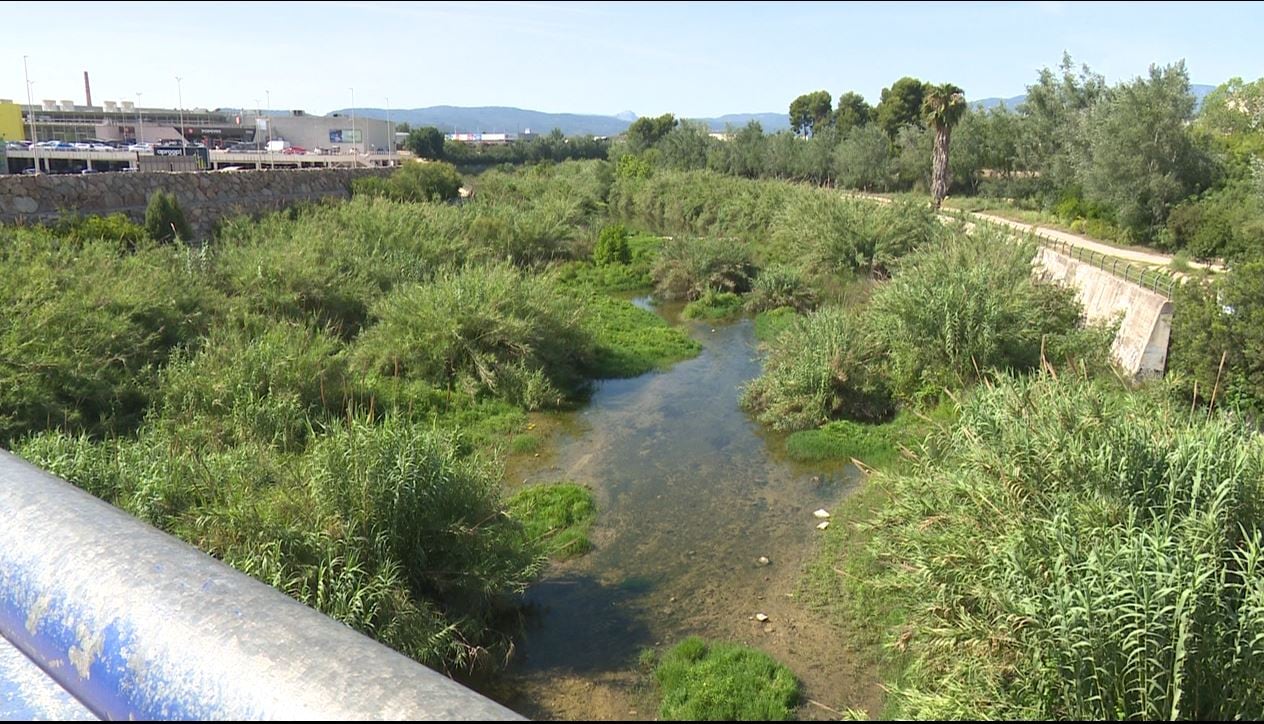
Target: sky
[(691, 59)]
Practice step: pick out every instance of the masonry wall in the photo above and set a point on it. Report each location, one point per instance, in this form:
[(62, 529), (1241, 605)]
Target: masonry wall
[(1140, 345), (205, 197)]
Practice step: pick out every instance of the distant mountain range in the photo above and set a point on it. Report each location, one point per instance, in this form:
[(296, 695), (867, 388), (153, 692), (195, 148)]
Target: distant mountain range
[(1200, 92), (500, 119)]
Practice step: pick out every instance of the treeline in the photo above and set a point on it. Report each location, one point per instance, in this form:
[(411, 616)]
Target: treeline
[(429, 143), (1133, 162)]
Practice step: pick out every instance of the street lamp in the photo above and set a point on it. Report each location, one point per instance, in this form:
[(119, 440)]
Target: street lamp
[(390, 135), (271, 163), (30, 115), (140, 121), (180, 96), (354, 151)]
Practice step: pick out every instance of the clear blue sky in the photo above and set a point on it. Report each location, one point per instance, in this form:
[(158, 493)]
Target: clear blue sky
[(696, 60)]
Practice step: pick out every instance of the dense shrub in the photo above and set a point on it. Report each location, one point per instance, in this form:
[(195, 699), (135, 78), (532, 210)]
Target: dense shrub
[(612, 246), (164, 220), (825, 365), (780, 286), (688, 268), (1122, 574), (481, 330), (413, 182), (960, 309)]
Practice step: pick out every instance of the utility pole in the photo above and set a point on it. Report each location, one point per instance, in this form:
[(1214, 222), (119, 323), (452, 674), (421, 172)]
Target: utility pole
[(354, 151), (30, 114), (140, 121), (180, 96)]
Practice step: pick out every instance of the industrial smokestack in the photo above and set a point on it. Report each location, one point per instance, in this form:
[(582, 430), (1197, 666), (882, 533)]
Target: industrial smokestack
[(87, 89)]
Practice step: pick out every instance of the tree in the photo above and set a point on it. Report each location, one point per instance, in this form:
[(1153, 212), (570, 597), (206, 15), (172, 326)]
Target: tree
[(164, 220), (942, 106), (900, 105), (810, 111), (1142, 159), (862, 160), (426, 142), (685, 146), (852, 112), (645, 132), (1053, 119)]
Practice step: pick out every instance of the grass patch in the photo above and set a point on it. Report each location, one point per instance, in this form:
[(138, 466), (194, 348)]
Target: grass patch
[(631, 341), (771, 323), (704, 681), (877, 446), (713, 306), (524, 444), (557, 515)]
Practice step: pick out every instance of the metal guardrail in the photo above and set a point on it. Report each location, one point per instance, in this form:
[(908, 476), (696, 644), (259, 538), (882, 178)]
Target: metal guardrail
[(138, 625), (1158, 282)]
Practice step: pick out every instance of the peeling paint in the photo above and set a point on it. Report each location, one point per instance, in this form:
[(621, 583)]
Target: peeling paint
[(87, 650), (37, 613)]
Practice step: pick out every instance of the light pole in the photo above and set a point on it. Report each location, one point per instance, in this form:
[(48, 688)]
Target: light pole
[(30, 115), (355, 155), (140, 121), (390, 136), (180, 96), (268, 97)]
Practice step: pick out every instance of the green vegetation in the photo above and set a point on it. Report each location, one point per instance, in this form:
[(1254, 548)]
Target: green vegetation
[(318, 397), (876, 445), (164, 220), (773, 322), (557, 515), (630, 341), (412, 182), (612, 246), (1121, 573), (703, 681), (714, 306)]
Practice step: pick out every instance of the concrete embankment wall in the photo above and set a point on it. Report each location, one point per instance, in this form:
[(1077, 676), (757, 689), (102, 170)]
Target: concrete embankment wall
[(205, 197), (1140, 345)]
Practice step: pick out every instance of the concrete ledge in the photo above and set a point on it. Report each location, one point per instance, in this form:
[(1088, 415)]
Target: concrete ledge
[(138, 625)]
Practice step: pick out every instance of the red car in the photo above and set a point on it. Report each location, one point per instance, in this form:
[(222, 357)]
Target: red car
[(295, 149)]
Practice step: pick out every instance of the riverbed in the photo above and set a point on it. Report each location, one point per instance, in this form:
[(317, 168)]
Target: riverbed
[(691, 494)]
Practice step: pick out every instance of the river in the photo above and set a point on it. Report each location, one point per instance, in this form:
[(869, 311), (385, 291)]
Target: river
[(690, 495)]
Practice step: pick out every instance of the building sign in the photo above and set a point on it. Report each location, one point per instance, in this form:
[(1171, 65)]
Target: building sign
[(340, 135)]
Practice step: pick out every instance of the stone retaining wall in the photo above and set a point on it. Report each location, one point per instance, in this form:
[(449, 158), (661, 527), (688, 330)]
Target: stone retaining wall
[(205, 197)]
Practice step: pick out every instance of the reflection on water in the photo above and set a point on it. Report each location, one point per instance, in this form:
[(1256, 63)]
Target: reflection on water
[(688, 496)]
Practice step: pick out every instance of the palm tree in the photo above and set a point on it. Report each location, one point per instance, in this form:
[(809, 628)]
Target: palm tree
[(942, 106)]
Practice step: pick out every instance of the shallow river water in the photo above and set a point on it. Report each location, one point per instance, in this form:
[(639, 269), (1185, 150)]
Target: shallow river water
[(690, 495)]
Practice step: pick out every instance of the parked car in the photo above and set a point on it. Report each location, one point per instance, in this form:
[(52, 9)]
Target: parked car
[(295, 149)]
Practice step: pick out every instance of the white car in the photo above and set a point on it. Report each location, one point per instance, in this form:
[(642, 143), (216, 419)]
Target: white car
[(142, 147)]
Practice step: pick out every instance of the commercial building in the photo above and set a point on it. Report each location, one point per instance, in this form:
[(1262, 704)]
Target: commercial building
[(126, 122), (334, 132)]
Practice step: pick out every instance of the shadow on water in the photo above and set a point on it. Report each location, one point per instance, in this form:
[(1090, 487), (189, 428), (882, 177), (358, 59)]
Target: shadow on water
[(689, 495)]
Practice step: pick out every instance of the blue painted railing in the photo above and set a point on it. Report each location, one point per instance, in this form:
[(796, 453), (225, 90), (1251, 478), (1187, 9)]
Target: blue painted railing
[(136, 624)]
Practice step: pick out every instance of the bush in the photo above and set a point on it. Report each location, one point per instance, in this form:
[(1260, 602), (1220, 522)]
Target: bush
[(780, 286), (687, 268), (1122, 576), (164, 221), (960, 309), (482, 330), (713, 306), (825, 365), (612, 246), (704, 681), (413, 182)]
